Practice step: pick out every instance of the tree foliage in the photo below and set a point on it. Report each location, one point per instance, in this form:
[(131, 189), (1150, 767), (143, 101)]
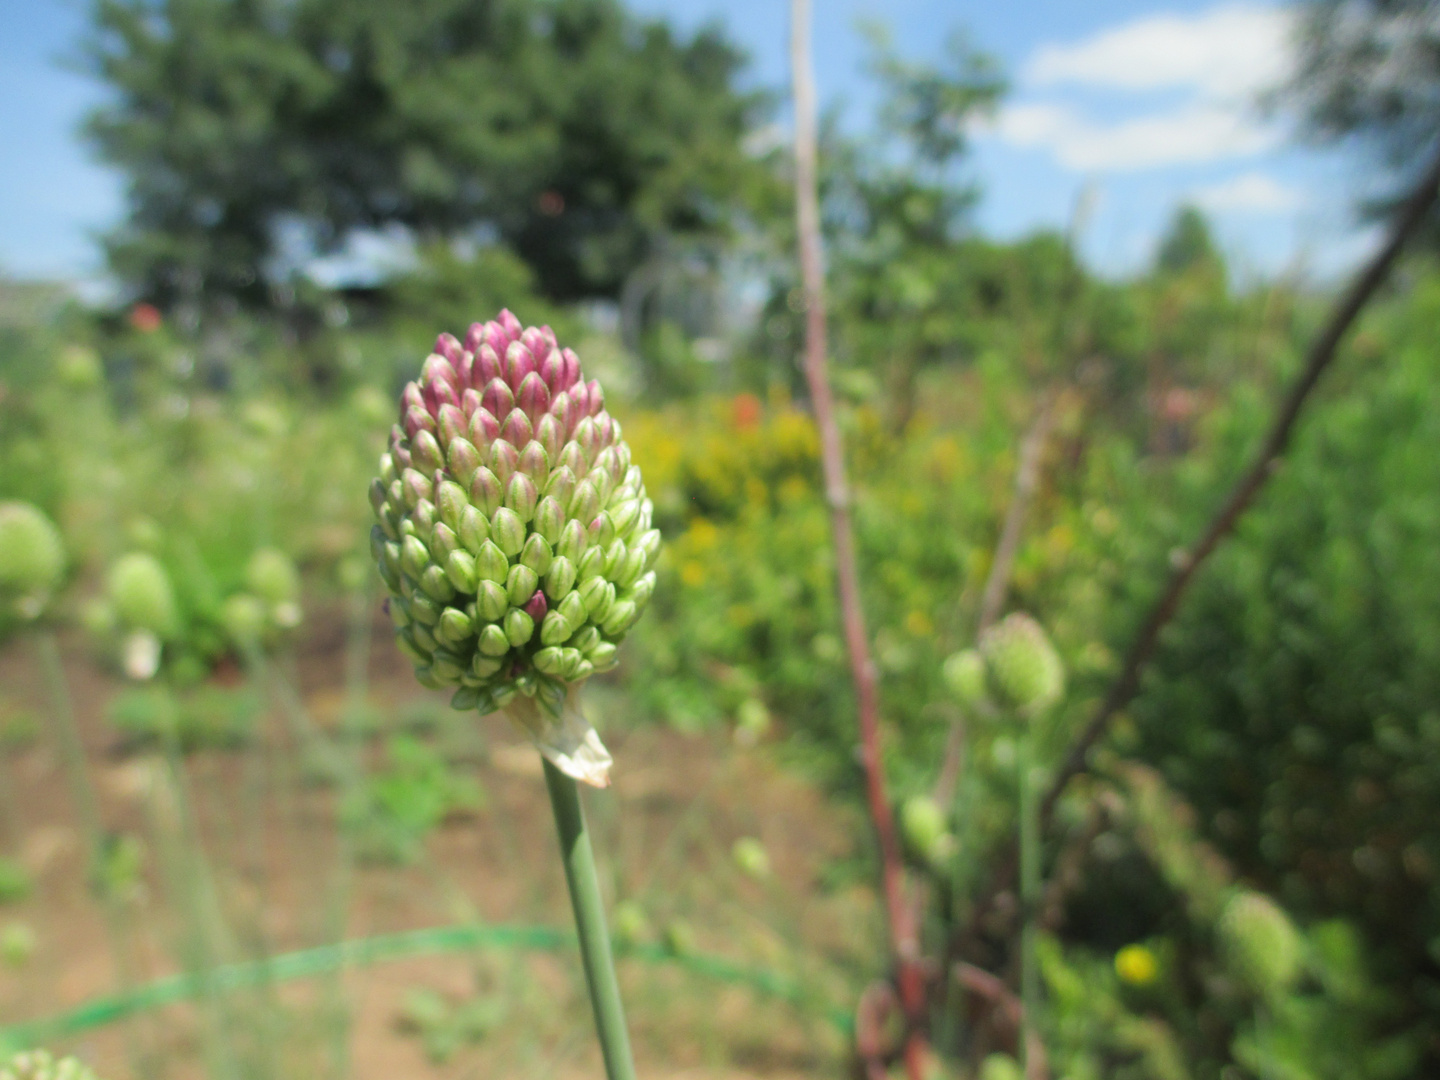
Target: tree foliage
[(253, 132)]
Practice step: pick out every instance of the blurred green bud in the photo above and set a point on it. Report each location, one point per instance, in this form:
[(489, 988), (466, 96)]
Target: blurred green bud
[(631, 925), (271, 576), (32, 558), (751, 857), (17, 944), (244, 619), (1260, 942), (1025, 670), (79, 367), (679, 938), (752, 722), (39, 1065), (964, 674), (926, 829), (139, 589), (1001, 1067)]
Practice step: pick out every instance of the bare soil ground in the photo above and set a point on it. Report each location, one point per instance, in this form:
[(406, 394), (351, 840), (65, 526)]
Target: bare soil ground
[(239, 859)]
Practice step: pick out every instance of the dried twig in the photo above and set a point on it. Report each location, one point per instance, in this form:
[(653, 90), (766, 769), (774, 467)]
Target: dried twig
[(909, 975), (1321, 354)]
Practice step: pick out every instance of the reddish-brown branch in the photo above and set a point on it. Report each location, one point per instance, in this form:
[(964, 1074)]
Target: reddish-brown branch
[(909, 975), (1267, 460)]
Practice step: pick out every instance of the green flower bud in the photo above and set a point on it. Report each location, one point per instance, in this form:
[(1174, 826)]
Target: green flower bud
[(491, 563), (649, 543), (32, 557), (964, 674), (521, 496), (436, 585), (507, 531), (549, 520), (463, 460), (1025, 670), (455, 628), (573, 608), (485, 491), (618, 619), (1001, 1067), (573, 541), (751, 857), (451, 502), (519, 627), (585, 503), (460, 569), (271, 576), (598, 596), (1260, 942), (548, 660), (521, 585), (536, 553), (39, 1065), (491, 600), (493, 641), (141, 594), (425, 610), (560, 578), (414, 557), (555, 630), (924, 825), (473, 529), (602, 656), (483, 667), (442, 542), (243, 617)]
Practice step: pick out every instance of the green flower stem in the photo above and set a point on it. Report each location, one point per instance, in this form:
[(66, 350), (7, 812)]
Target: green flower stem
[(590, 923), (1029, 899)]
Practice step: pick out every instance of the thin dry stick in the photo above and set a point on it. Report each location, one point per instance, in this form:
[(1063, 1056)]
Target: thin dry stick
[(1027, 478), (909, 976), (1267, 461)]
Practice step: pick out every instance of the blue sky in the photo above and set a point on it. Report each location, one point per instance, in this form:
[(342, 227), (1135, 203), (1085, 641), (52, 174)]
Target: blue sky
[(1144, 104)]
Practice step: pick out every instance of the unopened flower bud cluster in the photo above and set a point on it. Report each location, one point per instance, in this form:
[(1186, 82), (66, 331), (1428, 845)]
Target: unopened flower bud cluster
[(514, 533)]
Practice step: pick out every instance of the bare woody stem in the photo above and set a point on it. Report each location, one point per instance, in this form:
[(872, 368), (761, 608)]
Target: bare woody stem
[(903, 935), (1267, 460)]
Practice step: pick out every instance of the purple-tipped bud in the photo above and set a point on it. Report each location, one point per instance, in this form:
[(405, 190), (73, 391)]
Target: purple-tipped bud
[(418, 420), (604, 428), (470, 402), (440, 392), (597, 396), (535, 463), (504, 459), (448, 347), (571, 373), (521, 496), (487, 366), (519, 362), (602, 530), (411, 398), (547, 434), (551, 370), (533, 396), (450, 423), (562, 407), (484, 428), (498, 398), (485, 490), (536, 606), (425, 452), (587, 438), (474, 337), (517, 429), (580, 402), (509, 323), (414, 487), (533, 338), (438, 366), (463, 459), (573, 458), (465, 373)]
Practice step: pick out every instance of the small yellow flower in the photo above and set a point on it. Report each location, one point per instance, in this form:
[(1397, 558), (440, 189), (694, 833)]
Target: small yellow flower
[(1136, 965)]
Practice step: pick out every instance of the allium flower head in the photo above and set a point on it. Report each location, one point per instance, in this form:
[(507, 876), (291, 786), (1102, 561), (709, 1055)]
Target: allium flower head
[(1025, 670), (513, 533), (32, 559), (1261, 942)]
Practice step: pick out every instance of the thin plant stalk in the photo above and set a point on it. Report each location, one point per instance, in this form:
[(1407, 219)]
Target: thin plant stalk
[(585, 898), (1029, 905), (904, 936), (82, 791)]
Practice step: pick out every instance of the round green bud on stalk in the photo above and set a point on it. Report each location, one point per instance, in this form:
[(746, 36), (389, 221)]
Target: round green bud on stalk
[(271, 575), (491, 600), (32, 558), (923, 823), (505, 474), (40, 1065), (140, 592), (245, 621), (964, 674), (1025, 670), (1261, 943)]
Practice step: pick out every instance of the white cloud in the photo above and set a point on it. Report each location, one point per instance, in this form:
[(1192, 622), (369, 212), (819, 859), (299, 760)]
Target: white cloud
[(1229, 52), (1191, 134), (1250, 192)]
